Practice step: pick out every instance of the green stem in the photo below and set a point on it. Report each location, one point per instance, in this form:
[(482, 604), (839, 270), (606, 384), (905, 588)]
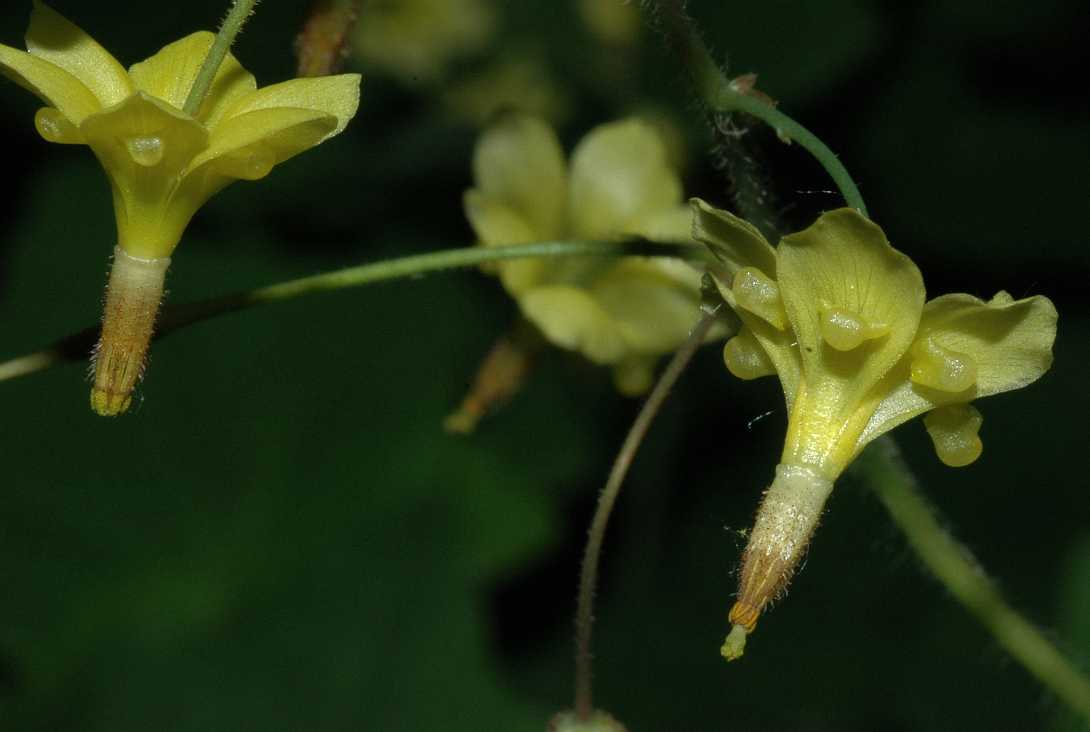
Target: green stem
[(76, 346), (715, 90), (588, 578), (727, 99), (232, 24), (883, 470)]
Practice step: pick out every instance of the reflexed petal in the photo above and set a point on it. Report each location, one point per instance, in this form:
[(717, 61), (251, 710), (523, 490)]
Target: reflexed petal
[(50, 83), (1009, 342), (335, 95), (619, 173), (495, 225), (953, 431), (570, 318), (734, 242), (55, 39), (519, 163), (844, 263), (653, 311), (170, 73), (249, 145)]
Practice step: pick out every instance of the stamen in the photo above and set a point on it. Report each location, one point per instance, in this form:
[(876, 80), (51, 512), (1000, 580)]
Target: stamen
[(942, 368), (759, 294)]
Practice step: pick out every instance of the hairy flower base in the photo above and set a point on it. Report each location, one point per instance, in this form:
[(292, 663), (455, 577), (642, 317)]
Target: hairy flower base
[(133, 295), (781, 533)]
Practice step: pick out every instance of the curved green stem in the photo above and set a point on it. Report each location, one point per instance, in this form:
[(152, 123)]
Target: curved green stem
[(715, 89), (76, 346), (884, 472), (225, 38), (727, 99), (588, 577)]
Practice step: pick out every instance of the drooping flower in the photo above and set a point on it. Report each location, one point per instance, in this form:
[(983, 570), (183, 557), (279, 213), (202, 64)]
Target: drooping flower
[(626, 312), (840, 316), (162, 162)]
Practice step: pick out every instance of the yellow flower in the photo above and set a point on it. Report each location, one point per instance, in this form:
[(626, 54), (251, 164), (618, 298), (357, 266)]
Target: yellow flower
[(840, 316), (626, 312), (163, 163), (417, 39)]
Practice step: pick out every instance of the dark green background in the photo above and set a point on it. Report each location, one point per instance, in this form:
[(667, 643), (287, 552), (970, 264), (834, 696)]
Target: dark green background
[(282, 538)]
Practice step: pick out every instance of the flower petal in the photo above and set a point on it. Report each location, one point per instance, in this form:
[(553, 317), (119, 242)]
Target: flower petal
[(518, 162), (496, 224), (651, 307), (619, 173), (170, 73), (144, 144), (249, 145), (1009, 342), (736, 243), (844, 264), (55, 39), (50, 83), (570, 318), (338, 96)]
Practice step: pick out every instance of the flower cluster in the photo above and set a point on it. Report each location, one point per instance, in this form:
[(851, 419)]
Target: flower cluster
[(840, 316), (626, 312)]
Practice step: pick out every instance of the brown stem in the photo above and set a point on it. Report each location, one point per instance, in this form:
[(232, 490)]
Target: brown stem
[(588, 579)]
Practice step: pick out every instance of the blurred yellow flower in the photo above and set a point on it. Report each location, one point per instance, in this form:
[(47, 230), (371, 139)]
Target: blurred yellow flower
[(162, 163), (416, 39), (517, 83), (615, 22), (624, 312), (839, 315)]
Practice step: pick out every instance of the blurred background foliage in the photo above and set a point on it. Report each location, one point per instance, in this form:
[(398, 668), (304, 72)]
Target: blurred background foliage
[(282, 537)]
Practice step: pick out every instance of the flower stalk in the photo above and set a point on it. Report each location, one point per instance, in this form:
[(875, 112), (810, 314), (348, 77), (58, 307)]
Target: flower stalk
[(237, 16)]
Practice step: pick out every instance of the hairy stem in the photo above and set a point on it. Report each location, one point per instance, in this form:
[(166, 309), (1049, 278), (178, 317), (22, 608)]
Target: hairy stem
[(588, 578), (716, 91), (76, 346), (232, 24), (883, 470)]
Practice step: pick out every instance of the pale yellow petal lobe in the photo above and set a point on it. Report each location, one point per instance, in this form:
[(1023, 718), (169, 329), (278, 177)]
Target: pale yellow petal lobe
[(734, 241), (619, 173), (518, 162), (338, 96), (50, 83), (54, 38)]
